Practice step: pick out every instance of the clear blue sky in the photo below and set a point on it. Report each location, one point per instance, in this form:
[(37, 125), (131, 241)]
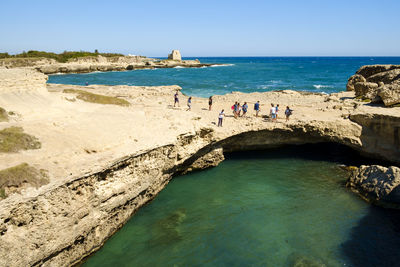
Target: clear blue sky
[(204, 28)]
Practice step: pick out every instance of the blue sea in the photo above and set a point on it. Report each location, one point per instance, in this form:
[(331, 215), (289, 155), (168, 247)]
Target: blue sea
[(245, 74)]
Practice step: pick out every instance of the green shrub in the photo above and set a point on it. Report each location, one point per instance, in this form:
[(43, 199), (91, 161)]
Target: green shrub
[(14, 139), (62, 57), (11, 179), (96, 98)]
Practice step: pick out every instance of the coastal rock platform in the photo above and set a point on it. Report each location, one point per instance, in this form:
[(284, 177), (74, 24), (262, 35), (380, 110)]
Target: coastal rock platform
[(106, 158), (99, 63)]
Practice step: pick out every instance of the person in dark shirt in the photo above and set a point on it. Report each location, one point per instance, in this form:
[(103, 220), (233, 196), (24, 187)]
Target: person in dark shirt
[(244, 109), (176, 99), (257, 107), (288, 112)]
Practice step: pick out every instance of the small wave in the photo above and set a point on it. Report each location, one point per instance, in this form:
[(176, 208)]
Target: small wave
[(275, 81), (222, 65), (263, 86), (319, 86), (179, 67)]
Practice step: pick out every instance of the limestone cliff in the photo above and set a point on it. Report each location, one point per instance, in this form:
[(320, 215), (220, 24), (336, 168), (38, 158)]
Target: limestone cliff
[(106, 161)]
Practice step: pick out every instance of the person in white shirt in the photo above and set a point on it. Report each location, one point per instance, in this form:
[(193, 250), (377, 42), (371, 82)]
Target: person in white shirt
[(220, 118), (273, 113)]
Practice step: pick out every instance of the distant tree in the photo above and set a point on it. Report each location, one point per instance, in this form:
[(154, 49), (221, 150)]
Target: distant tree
[(96, 51)]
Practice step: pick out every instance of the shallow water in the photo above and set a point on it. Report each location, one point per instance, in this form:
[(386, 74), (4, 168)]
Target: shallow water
[(272, 208), (245, 74)]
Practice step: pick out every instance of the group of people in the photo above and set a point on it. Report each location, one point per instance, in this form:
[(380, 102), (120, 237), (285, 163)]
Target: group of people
[(241, 110), (238, 109)]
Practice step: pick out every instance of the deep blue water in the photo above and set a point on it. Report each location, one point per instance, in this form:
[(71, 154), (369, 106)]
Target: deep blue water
[(245, 74)]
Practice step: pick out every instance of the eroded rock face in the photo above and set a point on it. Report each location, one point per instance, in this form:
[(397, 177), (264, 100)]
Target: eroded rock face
[(377, 83), (354, 79), (369, 70), (175, 55), (366, 89), (390, 94), (377, 184)]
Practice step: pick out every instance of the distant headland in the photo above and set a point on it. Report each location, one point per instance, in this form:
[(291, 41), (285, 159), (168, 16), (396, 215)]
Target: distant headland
[(84, 62)]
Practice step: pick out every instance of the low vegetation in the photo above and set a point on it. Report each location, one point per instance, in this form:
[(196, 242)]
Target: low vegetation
[(96, 98), (13, 139), (3, 114), (21, 176), (62, 57)]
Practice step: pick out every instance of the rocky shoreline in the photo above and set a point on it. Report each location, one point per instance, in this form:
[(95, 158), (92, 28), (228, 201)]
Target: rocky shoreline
[(99, 63), (115, 158)]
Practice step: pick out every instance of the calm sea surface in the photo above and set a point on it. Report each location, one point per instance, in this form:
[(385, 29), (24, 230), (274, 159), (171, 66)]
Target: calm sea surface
[(246, 74), (283, 207)]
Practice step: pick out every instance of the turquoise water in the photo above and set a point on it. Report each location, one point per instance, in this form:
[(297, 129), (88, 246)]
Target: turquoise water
[(271, 208), (254, 74)]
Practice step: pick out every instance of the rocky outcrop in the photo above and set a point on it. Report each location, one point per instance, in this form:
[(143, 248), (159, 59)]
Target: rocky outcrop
[(175, 55), (100, 63), (353, 80), (377, 184), (367, 90), (377, 83), (390, 94)]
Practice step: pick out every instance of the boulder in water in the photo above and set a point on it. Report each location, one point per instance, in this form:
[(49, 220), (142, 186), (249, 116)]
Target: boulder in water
[(377, 184)]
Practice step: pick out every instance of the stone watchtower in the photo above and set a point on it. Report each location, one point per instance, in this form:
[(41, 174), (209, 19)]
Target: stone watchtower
[(175, 55)]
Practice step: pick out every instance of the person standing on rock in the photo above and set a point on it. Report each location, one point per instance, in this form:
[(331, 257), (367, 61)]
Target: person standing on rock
[(189, 103), (257, 107), (272, 113), (235, 109), (276, 111), (244, 108), (210, 100), (288, 112), (176, 99), (220, 118)]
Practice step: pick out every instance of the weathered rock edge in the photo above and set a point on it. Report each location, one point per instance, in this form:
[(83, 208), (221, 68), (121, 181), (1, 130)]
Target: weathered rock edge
[(70, 221), (376, 184)]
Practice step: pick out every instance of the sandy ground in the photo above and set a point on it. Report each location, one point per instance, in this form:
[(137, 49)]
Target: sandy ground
[(78, 137)]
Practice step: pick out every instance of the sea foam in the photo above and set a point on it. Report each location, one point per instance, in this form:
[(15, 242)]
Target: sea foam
[(222, 65), (319, 86)]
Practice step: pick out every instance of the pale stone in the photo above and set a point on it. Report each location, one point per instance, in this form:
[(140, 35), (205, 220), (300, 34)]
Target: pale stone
[(175, 55)]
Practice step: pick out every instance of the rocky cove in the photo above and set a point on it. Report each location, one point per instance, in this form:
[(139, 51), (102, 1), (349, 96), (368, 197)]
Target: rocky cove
[(90, 197)]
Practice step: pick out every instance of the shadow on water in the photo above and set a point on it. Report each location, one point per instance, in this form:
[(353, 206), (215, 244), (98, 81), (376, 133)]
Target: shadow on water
[(331, 152), (375, 241)]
